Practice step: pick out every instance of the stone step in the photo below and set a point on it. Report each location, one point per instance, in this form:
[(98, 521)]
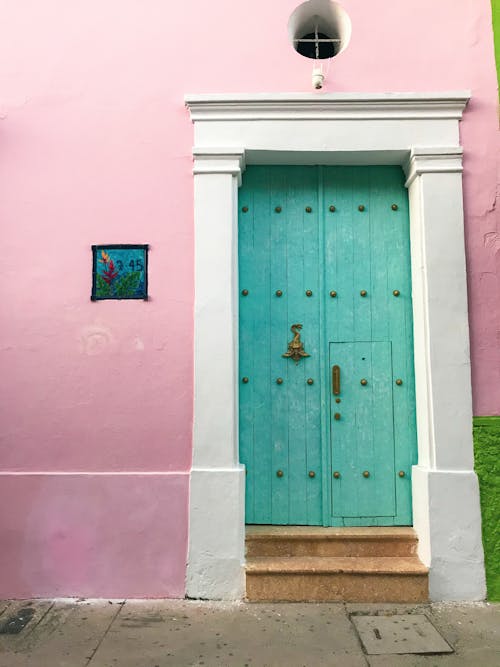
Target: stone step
[(336, 542), (350, 579)]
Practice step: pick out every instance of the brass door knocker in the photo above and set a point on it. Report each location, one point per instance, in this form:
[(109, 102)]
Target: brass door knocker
[(296, 346)]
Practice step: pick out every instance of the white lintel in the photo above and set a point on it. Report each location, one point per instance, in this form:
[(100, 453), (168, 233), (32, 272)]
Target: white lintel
[(325, 106)]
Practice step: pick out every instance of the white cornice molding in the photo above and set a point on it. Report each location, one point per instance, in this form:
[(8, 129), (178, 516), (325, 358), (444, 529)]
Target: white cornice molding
[(327, 106), (219, 161), (428, 160)]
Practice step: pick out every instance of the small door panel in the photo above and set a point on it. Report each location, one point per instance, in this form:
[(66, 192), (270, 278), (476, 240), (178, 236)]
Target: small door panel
[(362, 433)]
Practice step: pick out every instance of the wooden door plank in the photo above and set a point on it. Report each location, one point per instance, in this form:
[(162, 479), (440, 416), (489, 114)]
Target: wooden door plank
[(362, 255), (382, 477), (296, 372), (363, 439), (332, 241), (381, 248), (344, 304), (247, 308), (279, 430), (261, 334), (401, 325), (344, 457), (313, 259), (325, 314), (383, 181)]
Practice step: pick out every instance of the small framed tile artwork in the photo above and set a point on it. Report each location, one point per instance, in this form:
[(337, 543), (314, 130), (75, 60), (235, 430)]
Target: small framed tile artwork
[(119, 272)]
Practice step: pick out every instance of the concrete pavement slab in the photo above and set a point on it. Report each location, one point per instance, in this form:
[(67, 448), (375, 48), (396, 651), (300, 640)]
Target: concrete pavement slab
[(478, 658), (4, 605), (228, 634), (10, 644), (468, 626), (38, 609), (385, 608), (67, 636)]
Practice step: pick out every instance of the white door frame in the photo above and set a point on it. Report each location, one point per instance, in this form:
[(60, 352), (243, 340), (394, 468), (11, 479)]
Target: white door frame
[(421, 133)]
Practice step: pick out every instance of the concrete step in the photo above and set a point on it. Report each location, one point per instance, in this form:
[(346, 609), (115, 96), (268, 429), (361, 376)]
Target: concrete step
[(316, 578), (338, 542), (302, 563)]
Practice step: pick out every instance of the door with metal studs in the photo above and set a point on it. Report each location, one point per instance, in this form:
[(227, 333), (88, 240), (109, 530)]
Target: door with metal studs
[(327, 404)]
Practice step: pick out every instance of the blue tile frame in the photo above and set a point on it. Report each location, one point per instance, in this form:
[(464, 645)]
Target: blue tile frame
[(119, 271)]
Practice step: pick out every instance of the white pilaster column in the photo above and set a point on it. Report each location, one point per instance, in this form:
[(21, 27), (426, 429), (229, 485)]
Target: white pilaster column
[(217, 486), (445, 488)]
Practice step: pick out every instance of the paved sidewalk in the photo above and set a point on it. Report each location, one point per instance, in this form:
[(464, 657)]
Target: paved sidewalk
[(179, 633)]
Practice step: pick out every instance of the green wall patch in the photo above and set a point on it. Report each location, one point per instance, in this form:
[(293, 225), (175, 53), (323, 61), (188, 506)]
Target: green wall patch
[(487, 461), (495, 10)]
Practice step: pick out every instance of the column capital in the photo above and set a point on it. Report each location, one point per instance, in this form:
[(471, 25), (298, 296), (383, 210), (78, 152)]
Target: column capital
[(219, 161), (425, 160)]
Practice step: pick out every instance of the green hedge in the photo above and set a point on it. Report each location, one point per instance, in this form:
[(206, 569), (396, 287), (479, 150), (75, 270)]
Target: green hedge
[(487, 461), (495, 10)]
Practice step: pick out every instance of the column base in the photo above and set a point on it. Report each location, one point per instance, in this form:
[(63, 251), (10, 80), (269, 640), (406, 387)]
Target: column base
[(447, 519), (215, 568)]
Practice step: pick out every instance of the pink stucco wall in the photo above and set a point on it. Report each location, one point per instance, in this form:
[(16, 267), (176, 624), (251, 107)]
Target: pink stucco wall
[(93, 535), (95, 148)]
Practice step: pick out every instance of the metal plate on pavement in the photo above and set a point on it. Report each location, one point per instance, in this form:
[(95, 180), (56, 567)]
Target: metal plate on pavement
[(400, 633)]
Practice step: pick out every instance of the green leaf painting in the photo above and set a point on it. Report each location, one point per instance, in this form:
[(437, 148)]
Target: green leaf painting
[(127, 286), (103, 289)]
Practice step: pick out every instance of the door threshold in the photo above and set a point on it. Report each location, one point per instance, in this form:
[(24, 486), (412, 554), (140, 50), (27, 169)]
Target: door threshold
[(323, 531)]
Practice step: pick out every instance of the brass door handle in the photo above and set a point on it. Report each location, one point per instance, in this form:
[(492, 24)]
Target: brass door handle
[(336, 380), (296, 346)]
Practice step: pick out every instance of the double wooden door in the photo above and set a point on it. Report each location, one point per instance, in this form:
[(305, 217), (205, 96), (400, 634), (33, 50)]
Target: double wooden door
[(327, 405)]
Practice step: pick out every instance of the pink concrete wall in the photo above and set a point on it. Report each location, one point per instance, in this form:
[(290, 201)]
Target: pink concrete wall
[(95, 148), (93, 535)]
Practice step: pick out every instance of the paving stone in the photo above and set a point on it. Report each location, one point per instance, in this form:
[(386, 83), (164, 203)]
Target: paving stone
[(4, 605), (67, 636), (224, 634), (14, 624), (38, 610), (470, 626), (385, 608), (401, 633), (479, 658)]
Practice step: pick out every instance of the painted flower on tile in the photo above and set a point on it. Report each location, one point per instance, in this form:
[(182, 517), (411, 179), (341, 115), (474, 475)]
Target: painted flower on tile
[(110, 273), (104, 257)]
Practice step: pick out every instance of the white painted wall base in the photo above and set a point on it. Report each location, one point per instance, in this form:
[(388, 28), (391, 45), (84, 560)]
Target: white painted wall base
[(443, 511), (216, 534), (419, 132)]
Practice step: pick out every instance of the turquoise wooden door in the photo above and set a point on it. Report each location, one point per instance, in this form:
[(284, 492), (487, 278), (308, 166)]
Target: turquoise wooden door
[(326, 248)]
